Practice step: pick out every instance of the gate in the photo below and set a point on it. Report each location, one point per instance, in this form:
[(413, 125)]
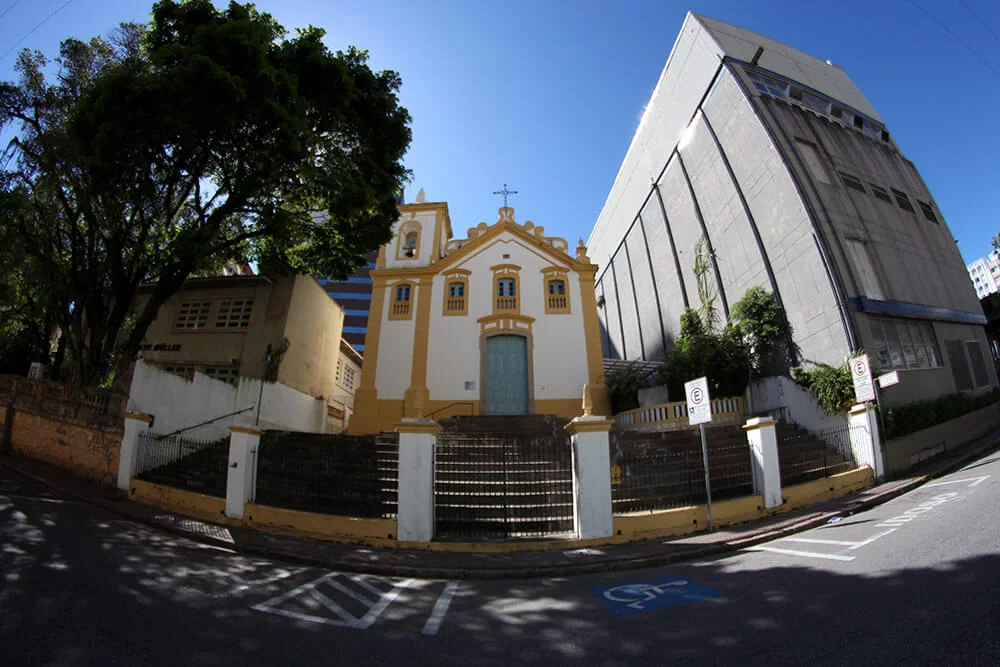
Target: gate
[(489, 487)]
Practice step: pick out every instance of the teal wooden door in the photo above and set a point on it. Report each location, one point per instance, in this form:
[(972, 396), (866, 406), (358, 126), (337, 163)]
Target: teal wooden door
[(506, 375)]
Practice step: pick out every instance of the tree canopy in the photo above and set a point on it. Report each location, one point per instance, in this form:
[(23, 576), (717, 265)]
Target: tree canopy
[(164, 150)]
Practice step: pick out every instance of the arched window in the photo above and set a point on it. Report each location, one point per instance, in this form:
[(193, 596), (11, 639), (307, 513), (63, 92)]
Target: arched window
[(410, 244), (408, 240)]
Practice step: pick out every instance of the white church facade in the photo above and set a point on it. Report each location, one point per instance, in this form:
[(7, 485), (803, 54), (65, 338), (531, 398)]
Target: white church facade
[(503, 322)]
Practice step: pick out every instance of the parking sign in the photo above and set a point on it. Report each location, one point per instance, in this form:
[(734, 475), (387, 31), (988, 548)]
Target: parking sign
[(699, 404), (861, 373)]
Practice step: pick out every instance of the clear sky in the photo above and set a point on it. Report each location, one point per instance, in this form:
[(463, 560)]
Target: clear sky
[(545, 96)]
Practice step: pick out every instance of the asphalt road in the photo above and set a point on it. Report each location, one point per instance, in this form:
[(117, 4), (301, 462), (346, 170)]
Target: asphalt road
[(912, 581)]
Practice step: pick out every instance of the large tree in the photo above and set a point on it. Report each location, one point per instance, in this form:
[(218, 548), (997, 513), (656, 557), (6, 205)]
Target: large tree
[(207, 135)]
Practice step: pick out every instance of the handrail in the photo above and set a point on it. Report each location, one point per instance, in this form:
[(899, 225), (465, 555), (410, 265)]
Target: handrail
[(471, 404), (188, 428), (673, 416)]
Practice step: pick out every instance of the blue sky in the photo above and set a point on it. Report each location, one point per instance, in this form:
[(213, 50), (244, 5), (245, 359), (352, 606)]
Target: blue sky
[(545, 96)]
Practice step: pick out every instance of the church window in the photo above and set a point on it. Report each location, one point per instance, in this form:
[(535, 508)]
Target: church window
[(556, 294), (506, 292), (408, 240), (456, 300), (401, 308)]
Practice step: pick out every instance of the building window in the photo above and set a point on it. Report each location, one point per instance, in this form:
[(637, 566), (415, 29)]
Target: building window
[(852, 182), (928, 211), (864, 271), (340, 370), (506, 294), (234, 314), (401, 306), (456, 300), (184, 370), (193, 315), (880, 193), (349, 378), (903, 201), (814, 163), (408, 241), (227, 374), (904, 344), (556, 291)]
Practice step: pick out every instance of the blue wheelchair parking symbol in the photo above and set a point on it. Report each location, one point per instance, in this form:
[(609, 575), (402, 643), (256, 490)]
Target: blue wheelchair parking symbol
[(646, 596)]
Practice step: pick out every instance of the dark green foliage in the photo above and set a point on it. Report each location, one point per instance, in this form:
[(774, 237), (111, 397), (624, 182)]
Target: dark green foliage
[(924, 414), (624, 383), (832, 385), (208, 136), (760, 325), (701, 351)]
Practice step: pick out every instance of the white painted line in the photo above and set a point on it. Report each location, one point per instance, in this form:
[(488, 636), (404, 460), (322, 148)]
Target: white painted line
[(840, 543), (872, 539), (348, 619), (975, 481), (273, 602), (373, 613), (440, 609), (807, 554), (367, 602), (360, 581)]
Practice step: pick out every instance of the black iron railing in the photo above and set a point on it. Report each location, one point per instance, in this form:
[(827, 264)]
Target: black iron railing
[(805, 456), (189, 463), (329, 474), (499, 487), (666, 470)]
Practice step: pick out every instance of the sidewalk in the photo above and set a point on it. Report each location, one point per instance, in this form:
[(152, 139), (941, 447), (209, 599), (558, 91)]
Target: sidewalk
[(519, 565)]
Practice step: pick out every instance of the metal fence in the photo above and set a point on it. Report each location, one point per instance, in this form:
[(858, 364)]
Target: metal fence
[(498, 487), (663, 471), (329, 474), (184, 462), (805, 456)]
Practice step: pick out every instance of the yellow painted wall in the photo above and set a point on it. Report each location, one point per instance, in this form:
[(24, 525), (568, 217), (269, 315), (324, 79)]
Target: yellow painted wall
[(197, 505), (330, 527), (313, 327), (810, 493), (85, 451)]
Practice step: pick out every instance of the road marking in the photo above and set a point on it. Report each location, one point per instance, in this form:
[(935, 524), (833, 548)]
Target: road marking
[(976, 481), (919, 510), (386, 600), (807, 554), (440, 609), (872, 539), (332, 606), (652, 595), (807, 540)]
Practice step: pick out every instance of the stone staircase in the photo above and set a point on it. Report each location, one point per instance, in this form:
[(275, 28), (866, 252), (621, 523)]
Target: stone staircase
[(203, 471), (804, 457), (502, 477)]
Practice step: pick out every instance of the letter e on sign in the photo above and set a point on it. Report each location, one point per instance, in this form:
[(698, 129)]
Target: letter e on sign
[(861, 373), (699, 404)]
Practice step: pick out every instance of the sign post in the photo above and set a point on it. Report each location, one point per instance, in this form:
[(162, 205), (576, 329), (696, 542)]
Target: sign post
[(864, 387), (699, 406)]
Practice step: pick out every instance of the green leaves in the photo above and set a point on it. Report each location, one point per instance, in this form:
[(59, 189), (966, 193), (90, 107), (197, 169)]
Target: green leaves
[(205, 137), (832, 385)]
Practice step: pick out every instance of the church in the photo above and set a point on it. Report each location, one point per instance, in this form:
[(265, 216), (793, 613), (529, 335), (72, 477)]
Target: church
[(502, 322)]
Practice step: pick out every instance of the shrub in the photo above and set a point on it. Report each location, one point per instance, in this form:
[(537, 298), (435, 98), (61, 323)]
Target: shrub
[(832, 385), (624, 383), (917, 416)]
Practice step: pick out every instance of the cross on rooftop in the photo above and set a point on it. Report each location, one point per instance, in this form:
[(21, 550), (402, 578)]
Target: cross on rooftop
[(505, 193)]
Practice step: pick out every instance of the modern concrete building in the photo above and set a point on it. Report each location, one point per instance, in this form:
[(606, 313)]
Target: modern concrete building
[(354, 295), (795, 182), (982, 277)]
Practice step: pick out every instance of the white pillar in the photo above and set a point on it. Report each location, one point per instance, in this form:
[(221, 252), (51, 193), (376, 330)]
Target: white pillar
[(415, 500), (135, 423), (866, 444), (763, 440), (243, 444), (592, 514)]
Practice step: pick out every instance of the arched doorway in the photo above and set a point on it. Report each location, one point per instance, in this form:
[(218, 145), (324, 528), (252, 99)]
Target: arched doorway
[(506, 375)]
